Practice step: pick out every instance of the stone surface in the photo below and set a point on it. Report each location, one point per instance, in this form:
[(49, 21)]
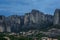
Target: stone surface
[(57, 17), (33, 20)]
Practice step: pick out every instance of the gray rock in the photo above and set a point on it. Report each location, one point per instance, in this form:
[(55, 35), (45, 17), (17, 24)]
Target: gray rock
[(33, 20), (56, 17)]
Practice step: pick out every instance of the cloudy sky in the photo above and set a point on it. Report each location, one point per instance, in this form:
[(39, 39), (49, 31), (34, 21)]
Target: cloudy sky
[(20, 7)]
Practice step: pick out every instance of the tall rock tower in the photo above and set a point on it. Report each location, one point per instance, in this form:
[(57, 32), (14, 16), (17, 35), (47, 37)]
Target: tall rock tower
[(2, 23), (15, 22), (56, 17)]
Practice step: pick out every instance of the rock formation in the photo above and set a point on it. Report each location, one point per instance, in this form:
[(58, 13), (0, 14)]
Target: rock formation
[(2, 23), (15, 23), (56, 17), (36, 20), (33, 20)]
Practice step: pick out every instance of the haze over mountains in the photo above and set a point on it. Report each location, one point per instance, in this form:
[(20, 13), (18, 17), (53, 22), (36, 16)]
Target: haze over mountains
[(34, 20)]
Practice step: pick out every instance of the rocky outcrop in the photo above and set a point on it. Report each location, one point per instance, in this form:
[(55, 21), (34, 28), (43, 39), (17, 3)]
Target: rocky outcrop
[(2, 23), (36, 16), (33, 20), (56, 17), (36, 20), (15, 23), (26, 19)]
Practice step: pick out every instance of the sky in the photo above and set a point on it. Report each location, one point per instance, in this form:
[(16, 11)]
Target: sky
[(20, 7)]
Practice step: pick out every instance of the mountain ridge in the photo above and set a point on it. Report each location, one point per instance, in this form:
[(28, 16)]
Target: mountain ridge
[(30, 21)]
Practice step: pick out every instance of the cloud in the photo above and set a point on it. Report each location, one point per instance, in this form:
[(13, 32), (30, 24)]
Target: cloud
[(22, 6)]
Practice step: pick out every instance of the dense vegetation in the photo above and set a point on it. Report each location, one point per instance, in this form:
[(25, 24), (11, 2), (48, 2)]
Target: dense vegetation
[(13, 37)]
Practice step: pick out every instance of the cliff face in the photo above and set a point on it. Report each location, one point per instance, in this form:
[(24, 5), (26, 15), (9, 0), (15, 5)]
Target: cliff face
[(26, 19), (33, 20), (2, 23), (15, 23), (36, 16), (36, 20), (57, 17)]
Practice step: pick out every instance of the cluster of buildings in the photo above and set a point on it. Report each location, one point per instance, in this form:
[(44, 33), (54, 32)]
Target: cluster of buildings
[(30, 32), (49, 38), (53, 31)]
